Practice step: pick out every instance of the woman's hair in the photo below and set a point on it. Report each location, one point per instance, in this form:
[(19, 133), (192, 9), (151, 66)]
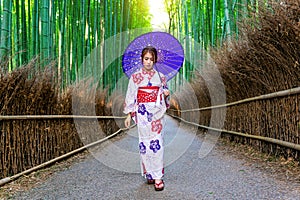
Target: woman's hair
[(152, 50)]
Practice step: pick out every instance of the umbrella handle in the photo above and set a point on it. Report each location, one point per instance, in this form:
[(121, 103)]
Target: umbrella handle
[(164, 86)]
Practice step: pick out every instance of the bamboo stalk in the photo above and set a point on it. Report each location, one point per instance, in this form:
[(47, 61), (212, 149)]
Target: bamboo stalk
[(7, 148), (2, 149), (297, 116)]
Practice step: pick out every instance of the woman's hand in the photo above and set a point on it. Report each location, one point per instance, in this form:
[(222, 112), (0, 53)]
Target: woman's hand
[(166, 93), (127, 121)]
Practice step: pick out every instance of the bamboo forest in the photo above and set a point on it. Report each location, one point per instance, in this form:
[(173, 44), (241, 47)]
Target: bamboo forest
[(66, 32), (63, 81)]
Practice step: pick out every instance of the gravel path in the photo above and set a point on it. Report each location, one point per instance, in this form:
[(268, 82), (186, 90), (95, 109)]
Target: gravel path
[(216, 176)]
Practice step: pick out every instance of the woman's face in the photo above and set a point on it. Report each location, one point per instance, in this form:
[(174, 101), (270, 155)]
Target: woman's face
[(148, 61)]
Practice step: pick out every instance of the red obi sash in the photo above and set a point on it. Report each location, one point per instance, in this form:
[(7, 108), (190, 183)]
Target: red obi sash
[(147, 94)]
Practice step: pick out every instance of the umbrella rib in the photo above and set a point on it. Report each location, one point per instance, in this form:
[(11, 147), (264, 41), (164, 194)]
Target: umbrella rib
[(168, 47)]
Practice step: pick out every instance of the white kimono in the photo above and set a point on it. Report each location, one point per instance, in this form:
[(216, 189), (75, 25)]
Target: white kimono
[(147, 104)]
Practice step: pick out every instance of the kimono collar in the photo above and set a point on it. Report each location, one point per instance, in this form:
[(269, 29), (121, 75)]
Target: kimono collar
[(150, 73)]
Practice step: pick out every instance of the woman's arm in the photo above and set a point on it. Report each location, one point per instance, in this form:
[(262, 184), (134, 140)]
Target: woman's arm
[(127, 121), (130, 100), (166, 93)]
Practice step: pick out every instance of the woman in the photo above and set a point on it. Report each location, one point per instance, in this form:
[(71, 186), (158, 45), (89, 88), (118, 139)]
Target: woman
[(146, 103)]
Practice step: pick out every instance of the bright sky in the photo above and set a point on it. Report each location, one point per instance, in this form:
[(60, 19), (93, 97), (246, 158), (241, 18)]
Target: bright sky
[(160, 17)]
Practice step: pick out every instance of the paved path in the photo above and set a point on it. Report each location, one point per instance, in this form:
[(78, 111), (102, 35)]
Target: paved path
[(216, 176)]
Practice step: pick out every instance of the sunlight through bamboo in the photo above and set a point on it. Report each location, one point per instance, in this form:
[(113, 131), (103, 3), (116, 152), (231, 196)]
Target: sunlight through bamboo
[(160, 18)]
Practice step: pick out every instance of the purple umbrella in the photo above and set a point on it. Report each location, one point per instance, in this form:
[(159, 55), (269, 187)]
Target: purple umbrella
[(170, 53)]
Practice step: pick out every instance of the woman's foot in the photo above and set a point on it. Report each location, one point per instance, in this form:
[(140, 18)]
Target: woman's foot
[(159, 185), (150, 181)]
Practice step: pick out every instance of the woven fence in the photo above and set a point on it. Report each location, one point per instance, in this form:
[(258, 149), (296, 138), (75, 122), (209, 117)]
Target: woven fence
[(270, 123), (37, 120), (25, 143)]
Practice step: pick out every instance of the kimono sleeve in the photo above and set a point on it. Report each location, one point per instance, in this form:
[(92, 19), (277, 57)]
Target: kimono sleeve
[(165, 87), (167, 99), (130, 99)]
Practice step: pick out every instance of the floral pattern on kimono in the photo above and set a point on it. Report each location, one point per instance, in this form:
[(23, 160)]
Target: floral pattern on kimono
[(149, 117)]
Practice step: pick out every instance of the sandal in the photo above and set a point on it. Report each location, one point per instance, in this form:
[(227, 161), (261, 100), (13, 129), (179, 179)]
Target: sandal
[(158, 186), (150, 181)]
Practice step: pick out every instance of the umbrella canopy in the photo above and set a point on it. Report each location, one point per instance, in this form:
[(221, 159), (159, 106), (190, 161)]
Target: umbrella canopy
[(170, 54)]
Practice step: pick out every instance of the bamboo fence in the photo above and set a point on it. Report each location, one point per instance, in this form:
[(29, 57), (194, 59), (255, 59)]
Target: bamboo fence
[(266, 122), (27, 141), (37, 122), (59, 158)]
